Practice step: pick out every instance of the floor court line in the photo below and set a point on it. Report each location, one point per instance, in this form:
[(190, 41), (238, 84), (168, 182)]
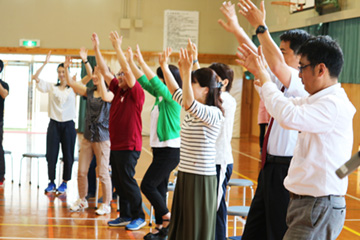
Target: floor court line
[(246, 155)]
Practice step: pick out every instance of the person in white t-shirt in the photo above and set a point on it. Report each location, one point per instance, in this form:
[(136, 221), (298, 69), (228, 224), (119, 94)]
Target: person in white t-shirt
[(224, 158), (324, 119), (61, 128)]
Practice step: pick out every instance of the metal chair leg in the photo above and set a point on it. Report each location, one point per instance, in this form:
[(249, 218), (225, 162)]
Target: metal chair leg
[(20, 171)]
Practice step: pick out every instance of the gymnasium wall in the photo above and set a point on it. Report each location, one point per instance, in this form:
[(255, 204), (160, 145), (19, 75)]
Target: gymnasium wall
[(70, 23)]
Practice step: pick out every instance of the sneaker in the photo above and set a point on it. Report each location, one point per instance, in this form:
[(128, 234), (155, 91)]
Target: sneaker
[(136, 224), (62, 188), (79, 205), (103, 209), (119, 222), (50, 188)]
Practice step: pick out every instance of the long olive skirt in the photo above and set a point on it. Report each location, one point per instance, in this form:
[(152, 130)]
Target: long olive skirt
[(193, 212)]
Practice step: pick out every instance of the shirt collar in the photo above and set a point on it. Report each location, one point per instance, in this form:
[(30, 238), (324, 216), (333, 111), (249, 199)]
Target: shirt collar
[(332, 89)]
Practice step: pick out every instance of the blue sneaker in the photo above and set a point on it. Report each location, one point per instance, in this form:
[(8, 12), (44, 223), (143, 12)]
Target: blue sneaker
[(50, 188), (62, 188), (136, 224), (119, 222)]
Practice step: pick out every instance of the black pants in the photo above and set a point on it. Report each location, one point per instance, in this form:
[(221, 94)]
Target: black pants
[(92, 177), (155, 182), (2, 155), (262, 134), (123, 170), (64, 133), (221, 228), (267, 216)]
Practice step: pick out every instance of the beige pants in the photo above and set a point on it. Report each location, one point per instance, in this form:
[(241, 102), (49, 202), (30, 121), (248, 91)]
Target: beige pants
[(102, 153)]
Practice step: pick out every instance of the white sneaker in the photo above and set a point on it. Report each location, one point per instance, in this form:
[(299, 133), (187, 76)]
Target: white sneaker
[(103, 209), (79, 205)]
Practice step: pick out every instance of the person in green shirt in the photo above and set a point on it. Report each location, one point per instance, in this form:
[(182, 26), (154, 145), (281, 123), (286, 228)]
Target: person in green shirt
[(164, 139)]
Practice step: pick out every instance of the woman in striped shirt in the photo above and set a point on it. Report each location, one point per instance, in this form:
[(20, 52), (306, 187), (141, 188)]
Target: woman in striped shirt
[(194, 205)]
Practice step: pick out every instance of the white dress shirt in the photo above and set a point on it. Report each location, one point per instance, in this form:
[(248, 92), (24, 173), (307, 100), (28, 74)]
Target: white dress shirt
[(61, 106), (325, 142), (282, 141)]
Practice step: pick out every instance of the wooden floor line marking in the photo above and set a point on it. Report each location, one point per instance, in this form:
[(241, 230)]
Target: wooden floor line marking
[(59, 226), (147, 151), (351, 230), (246, 155), (29, 238)]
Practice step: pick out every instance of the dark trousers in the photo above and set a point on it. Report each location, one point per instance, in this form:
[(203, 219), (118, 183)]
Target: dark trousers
[(267, 216), (221, 228), (123, 170), (155, 182), (262, 134), (92, 178), (64, 133), (2, 155)]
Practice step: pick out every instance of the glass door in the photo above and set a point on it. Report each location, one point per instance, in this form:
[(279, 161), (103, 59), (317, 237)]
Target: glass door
[(17, 76)]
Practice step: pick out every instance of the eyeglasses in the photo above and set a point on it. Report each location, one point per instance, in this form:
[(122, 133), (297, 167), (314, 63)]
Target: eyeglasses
[(302, 67)]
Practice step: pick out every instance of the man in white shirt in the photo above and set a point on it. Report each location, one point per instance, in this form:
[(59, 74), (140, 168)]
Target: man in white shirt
[(324, 119), (267, 215)]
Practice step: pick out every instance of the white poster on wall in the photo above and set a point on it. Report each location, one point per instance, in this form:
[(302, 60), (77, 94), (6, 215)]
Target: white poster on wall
[(179, 26)]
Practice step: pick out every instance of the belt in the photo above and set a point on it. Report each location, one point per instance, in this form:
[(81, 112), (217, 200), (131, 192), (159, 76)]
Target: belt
[(295, 196), (277, 159)]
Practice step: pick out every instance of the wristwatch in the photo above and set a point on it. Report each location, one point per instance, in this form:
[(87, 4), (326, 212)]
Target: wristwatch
[(261, 29)]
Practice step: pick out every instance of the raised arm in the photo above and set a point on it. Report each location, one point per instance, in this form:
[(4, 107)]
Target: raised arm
[(106, 95), (254, 61), (147, 70), (36, 75), (83, 55), (185, 66), (116, 42), (232, 25), (100, 60), (272, 53), (168, 77), (78, 88), (136, 71), (192, 50), (142, 78)]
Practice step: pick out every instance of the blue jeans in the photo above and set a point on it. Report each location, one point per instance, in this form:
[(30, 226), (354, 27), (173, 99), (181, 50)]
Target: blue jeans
[(315, 218)]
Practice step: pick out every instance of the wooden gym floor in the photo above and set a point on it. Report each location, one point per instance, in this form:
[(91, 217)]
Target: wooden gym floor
[(27, 213)]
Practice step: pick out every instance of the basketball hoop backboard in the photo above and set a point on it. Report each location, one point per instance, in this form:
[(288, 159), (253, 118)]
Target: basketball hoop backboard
[(296, 5), (301, 5)]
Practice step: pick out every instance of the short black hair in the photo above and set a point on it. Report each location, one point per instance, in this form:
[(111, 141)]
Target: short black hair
[(296, 37), (1, 65), (323, 49), (175, 72), (224, 72)]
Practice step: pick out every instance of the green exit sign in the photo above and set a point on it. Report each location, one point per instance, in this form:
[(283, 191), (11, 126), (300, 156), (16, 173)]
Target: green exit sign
[(29, 43)]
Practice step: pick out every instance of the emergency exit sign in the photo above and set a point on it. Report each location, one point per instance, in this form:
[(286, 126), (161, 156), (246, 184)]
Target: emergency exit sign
[(29, 43)]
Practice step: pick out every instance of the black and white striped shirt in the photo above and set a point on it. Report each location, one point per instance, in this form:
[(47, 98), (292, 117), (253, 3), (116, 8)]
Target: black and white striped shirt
[(199, 132)]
